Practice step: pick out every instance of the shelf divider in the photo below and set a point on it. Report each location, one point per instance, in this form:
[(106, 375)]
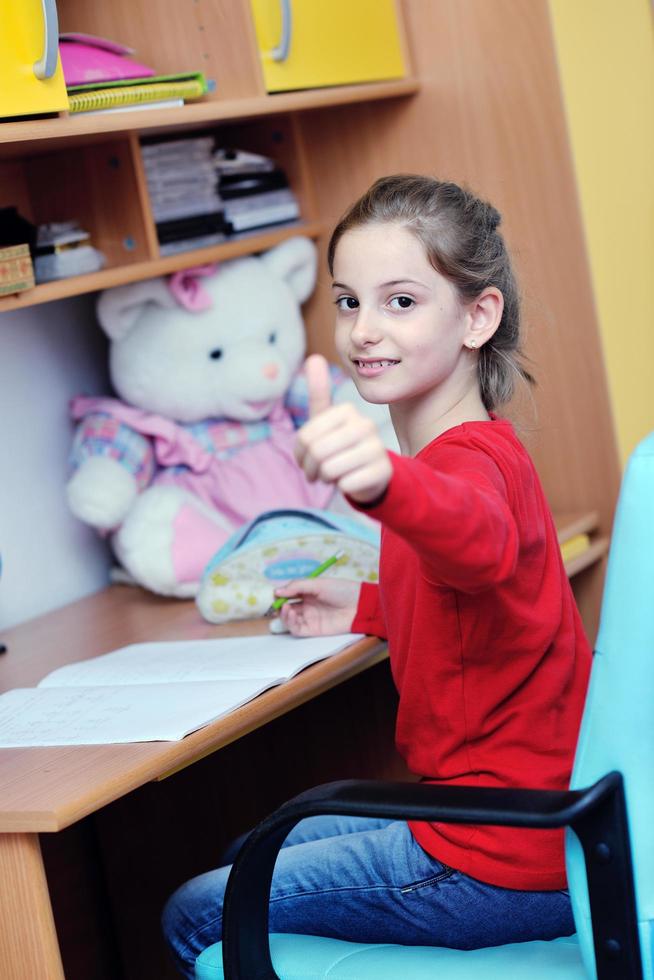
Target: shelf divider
[(149, 226)]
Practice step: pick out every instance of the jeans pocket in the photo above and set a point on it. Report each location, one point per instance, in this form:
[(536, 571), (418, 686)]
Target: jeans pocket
[(445, 872)]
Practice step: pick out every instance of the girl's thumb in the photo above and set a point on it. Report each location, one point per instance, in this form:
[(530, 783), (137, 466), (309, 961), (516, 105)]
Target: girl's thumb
[(319, 384)]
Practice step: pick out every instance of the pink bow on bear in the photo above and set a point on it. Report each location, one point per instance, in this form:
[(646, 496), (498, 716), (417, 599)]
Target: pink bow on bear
[(187, 289)]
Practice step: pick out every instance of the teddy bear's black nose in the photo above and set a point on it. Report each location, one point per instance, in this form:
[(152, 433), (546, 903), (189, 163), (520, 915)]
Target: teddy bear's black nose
[(215, 354)]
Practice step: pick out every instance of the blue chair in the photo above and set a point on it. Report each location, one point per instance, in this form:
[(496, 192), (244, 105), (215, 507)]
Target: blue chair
[(613, 904)]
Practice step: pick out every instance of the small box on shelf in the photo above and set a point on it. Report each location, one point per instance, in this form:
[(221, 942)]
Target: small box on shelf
[(16, 269)]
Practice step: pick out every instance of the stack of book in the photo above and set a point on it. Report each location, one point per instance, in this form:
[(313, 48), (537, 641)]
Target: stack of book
[(160, 91), (186, 205), (102, 77), (254, 191)]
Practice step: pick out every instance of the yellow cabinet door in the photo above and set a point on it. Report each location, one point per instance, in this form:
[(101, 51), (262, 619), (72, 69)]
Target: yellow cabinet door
[(312, 43), (31, 79)]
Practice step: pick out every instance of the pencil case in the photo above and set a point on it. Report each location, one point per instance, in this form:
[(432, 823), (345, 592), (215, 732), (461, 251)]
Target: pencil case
[(277, 546)]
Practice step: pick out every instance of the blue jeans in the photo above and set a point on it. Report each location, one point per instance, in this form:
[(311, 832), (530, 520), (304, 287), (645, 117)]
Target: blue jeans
[(368, 880)]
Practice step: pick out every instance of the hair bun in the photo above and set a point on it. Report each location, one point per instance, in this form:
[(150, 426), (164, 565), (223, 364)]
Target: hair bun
[(493, 217)]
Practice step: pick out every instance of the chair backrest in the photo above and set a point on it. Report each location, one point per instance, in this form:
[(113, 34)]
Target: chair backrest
[(617, 731)]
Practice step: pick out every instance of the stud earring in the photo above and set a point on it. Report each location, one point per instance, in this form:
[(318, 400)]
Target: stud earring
[(472, 344)]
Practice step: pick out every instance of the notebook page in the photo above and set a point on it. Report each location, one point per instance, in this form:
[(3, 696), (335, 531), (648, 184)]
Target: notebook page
[(126, 713), (255, 657)]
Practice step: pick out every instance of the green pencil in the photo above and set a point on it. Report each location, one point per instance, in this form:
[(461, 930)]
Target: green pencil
[(279, 602)]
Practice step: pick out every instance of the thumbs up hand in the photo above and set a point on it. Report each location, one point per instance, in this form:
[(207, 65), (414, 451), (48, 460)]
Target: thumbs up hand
[(319, 383), (339, 445)]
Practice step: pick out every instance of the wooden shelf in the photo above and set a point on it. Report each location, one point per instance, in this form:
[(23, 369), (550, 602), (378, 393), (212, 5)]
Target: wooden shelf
[(191, 116), (575, 522), (570, 524), (596, 550), (245, 244)]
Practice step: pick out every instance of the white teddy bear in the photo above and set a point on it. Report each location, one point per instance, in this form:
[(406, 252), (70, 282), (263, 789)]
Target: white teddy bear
[(207, 367)]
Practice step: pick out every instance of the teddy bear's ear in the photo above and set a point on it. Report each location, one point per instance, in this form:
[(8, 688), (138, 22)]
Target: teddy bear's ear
[(295, 261), (118, 309)]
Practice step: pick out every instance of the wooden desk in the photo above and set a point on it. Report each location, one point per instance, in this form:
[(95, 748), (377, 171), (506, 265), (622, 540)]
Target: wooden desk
[(48, 789)]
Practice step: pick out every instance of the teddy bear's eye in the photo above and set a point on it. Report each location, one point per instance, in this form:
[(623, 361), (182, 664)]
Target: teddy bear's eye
[(216, 354), (272, 338)]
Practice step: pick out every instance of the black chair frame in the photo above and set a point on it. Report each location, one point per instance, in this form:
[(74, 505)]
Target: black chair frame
[(597, 815)]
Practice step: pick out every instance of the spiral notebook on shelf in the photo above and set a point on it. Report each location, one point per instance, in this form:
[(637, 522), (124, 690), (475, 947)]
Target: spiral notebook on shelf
[(149, 692), (134, 106), (136, 91)]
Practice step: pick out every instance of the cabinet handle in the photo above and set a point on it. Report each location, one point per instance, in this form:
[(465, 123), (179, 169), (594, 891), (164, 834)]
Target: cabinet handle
[(280, 53), (46, 66)]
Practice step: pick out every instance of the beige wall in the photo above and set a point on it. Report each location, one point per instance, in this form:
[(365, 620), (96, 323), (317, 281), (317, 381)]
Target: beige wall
[(606, 63)]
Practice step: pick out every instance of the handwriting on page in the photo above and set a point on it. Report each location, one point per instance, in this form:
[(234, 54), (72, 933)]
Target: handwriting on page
[(125, 713), (154, 691)]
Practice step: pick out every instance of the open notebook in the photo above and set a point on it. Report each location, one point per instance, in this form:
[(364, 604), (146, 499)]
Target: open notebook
[(150, 692)]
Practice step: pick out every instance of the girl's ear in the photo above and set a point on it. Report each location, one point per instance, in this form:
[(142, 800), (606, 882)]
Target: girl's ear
[(485, 313)]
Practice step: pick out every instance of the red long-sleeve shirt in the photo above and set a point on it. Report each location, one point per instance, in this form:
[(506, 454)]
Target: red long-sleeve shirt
[(486, 644)]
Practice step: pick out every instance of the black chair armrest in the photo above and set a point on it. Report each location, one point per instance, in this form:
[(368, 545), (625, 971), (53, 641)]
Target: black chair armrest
[(597, 815)]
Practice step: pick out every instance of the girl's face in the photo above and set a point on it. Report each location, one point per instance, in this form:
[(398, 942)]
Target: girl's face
[(400, 326)]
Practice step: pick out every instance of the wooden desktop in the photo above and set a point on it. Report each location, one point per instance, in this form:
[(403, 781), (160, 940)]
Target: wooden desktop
[(55, 789)]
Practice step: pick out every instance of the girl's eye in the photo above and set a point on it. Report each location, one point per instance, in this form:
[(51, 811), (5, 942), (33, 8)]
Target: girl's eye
[(347, 303), (401, 303)]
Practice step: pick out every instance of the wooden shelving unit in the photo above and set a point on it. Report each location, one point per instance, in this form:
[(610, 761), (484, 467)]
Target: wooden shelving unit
[(454, 114), (89, 167)]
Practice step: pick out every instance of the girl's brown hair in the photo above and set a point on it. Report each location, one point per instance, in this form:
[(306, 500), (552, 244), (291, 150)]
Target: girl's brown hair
[(459, 234)]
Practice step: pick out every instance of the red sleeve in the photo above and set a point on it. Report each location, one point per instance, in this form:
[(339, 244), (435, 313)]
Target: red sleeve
[(454, 512), (369, 617)]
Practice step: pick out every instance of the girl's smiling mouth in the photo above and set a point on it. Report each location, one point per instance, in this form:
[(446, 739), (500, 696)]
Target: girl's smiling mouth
[(370, 366)]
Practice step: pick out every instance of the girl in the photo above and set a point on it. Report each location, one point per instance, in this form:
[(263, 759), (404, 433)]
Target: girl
[(486, 645)]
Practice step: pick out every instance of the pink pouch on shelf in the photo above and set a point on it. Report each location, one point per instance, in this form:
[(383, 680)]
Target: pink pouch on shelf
[(85, 58)]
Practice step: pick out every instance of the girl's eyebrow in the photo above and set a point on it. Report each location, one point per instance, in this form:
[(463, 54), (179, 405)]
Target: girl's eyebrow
[(401, 282), (383, 285)]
